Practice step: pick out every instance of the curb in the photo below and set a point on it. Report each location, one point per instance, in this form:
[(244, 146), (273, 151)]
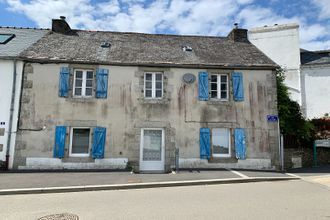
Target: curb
[(140, 185)]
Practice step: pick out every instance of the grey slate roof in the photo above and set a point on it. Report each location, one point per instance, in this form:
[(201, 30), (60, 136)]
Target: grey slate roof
[(24, 37), (314, 57), (146, 49)]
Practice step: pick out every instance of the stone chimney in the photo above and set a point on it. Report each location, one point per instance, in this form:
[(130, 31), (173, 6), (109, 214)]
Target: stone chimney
[(238, 34), (60, 26)]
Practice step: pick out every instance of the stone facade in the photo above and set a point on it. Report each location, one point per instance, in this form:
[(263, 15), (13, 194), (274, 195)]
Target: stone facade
[(125, 112)]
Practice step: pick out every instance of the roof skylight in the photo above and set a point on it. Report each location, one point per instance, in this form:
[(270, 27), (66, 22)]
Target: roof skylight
[(4, 38)]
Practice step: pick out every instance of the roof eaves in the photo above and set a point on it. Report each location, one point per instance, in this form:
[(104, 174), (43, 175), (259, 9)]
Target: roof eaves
[(158, 64)]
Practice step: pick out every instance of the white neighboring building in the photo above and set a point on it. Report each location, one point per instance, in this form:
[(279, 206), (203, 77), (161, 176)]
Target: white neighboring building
[(281, 44), (315, 83), (12, 42)]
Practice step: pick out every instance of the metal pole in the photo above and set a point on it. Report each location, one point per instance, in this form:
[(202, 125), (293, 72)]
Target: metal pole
[(177, 160), (280, 149), (315, 154), (282, 152)]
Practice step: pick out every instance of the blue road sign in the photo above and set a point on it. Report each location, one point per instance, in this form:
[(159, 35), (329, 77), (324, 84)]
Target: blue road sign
[(272, 118)]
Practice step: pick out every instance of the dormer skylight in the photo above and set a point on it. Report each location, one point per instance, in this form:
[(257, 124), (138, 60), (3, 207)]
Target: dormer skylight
[(187, 48), (4, 38), (105, 44)]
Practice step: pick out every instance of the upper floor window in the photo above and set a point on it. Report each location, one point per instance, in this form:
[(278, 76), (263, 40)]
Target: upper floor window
[(219, 86), (83, 83), (153, 85)]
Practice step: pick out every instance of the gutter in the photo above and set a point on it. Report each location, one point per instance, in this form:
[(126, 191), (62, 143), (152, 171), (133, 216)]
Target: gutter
[(12, 106)]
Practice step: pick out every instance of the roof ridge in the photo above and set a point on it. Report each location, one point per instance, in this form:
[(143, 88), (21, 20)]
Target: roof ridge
[(30, 28), (139, 33)]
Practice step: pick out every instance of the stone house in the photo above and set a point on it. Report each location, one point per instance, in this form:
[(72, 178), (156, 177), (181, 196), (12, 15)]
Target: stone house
[(12, 42), (111, 100)]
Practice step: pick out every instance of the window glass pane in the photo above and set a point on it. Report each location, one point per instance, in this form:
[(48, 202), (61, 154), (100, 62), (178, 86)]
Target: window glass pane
[(148, 76), (148, 85), (223, 79), (159, 77), (79, 74), (220, 140), (78, 83), (214, 86), (148, 93), (80, 141), (152, 145), (159, 85), (89, 75), (89, 91), (5, 37), (214, 78), (77, 91), (224, 95), (89, 83), (214, 94), (158, 93), (223, 87)]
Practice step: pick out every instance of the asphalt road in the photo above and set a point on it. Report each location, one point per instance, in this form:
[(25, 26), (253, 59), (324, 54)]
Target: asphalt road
[(295, 199)]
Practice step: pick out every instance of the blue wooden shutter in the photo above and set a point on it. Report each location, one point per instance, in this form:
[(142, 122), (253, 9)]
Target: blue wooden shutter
[(204, 141), (98, 142), (203, 86), (240, 145), (238, 88), (102, 83), (64, 82), (60, 135)]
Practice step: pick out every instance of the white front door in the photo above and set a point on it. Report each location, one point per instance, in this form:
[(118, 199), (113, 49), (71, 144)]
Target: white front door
[(152, 153)]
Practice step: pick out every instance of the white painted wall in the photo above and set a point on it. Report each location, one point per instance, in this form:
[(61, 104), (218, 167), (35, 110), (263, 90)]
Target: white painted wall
[(281, 44), (316, 90), (6, 80)]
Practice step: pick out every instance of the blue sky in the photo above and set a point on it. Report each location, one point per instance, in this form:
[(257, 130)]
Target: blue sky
[(197, 17)]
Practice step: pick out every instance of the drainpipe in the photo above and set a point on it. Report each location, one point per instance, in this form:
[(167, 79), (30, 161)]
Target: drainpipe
[(12, 105)]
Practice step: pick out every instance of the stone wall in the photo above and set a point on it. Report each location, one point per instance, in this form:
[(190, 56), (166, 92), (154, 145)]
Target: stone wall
[(306, 155)]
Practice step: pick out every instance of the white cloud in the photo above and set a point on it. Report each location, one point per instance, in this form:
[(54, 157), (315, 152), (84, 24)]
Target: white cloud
[(324, 6), (201, 17)]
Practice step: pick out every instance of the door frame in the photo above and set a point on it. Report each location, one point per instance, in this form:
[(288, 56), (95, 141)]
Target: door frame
[(158, 166)]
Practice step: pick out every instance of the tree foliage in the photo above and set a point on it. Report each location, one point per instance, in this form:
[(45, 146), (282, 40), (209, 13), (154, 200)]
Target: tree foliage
[(292, 121)]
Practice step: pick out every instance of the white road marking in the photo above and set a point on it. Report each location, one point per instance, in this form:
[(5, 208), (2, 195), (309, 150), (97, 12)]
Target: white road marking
[(238, 173), (293, 175)]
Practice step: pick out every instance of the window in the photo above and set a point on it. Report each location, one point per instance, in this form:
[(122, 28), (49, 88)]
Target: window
[(80, 142), (221, 142), (153, 85), (4, 38), (219, 86), (83, 83)]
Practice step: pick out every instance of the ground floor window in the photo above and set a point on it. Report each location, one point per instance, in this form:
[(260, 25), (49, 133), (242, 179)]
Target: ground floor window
[(80, 142), (221, 142)]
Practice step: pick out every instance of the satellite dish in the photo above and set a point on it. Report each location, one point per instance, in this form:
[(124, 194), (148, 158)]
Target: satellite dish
[(189, 78)]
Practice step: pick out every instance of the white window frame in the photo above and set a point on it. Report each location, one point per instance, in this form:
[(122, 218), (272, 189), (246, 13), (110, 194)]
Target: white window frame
[(219, 82), (71, 139), (153, 85), (229, 144), (83, 86)]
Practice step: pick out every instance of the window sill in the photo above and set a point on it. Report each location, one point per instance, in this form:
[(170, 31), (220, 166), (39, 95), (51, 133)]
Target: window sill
[(219, 102), (82, 99), (223, 160), (163, 101), (77, 160)]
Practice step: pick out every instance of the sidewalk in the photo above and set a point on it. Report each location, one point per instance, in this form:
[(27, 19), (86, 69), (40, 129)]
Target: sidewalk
[(48, 182)]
